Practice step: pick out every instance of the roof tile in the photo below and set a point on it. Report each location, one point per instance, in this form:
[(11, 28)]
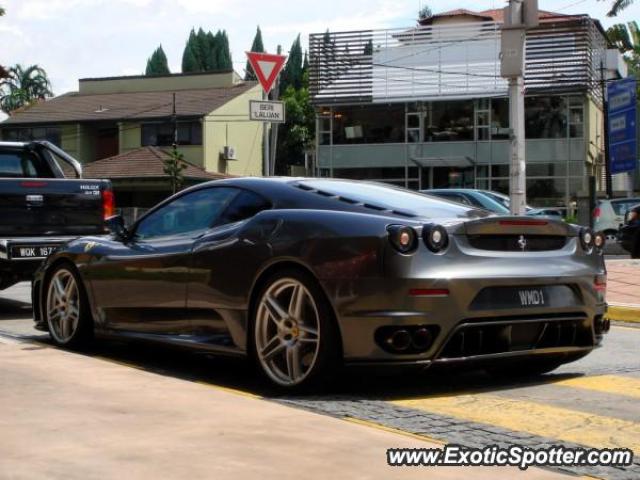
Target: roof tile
[(143, 162), (74, 107)]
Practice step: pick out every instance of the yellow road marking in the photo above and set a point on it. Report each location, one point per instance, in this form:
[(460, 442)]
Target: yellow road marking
[(629, 387), (378, 426), (544, 420), (623, 314), (230, 390)]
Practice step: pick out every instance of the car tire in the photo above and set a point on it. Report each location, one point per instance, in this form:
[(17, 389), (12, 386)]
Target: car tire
[(635, 252), (294, 337), (531, 368), (66, 308)]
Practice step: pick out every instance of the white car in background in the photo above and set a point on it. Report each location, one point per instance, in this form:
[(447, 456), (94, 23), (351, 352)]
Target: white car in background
[(609, 215)]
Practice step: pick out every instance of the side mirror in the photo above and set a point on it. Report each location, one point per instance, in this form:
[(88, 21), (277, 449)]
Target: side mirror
[(116, 226)]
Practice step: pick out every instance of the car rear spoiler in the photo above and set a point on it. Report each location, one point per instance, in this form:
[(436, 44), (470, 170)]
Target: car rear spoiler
[(64, 156)]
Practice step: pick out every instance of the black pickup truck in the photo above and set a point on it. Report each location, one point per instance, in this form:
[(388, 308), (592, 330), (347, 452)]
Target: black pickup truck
[(40, 209)]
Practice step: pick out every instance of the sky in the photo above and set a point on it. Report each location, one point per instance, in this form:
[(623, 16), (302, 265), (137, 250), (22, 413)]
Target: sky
[(74, 39)]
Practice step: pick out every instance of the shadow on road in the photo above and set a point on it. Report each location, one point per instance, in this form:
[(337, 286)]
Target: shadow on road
[(360, 384), (14, 309)]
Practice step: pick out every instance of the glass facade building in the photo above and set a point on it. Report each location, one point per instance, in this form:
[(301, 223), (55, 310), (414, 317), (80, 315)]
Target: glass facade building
[(426, 107)]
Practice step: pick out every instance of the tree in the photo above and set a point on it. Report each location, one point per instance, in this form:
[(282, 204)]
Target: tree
[(2, 11), (224, 53), (214, 51), (425, 13), (201, 49), (627, 39), (256, 46), (173, 168), (24, 86), (157, 64), (299, 130), (190, 61), (292, 73), (617, 6), (206, 52)]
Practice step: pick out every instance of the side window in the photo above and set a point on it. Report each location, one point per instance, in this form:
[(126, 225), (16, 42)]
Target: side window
[(480, 202), (188, 214), (455, 197), (22, 164), (245, 205), (465, 200)]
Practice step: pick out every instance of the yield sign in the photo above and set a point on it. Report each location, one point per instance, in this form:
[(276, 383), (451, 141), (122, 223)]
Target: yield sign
[(267, 67)]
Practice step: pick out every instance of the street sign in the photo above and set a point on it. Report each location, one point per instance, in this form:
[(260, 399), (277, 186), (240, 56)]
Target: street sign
[(266, 67), (622, 111), (264, 111)]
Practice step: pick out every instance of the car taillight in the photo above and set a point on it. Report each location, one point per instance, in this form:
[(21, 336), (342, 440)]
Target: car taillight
[(600, 284), (108, 204), (33, 184), (403, 238), (632, 216), (435, 238), (586, 239), (597, 212)]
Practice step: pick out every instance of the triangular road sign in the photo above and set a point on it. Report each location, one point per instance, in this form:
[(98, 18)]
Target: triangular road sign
[(266, 67)]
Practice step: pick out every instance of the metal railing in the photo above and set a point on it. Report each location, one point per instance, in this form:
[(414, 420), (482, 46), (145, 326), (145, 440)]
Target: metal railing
[(450, 61)]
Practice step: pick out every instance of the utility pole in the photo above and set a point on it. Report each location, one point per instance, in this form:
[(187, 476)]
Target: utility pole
[(275, 94), (174, 122), (605, 112), (519, 16), (266, 169)]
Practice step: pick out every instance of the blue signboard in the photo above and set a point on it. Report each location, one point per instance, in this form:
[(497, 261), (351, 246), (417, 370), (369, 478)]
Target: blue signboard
[(622, 101)]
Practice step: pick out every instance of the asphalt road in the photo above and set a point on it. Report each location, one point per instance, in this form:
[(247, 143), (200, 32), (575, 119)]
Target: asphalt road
[(594, 402)]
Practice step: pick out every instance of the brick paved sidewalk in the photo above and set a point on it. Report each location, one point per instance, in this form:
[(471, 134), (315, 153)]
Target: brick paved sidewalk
[(623, 283), (623, 290)]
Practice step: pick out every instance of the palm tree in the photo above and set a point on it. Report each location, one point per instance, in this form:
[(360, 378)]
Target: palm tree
[(23, 86), (625, 37), (618, 6)]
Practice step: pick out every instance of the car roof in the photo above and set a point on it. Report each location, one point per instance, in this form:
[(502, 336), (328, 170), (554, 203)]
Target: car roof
[(614, 200), (452, 190), (14, 144), (303, 192)]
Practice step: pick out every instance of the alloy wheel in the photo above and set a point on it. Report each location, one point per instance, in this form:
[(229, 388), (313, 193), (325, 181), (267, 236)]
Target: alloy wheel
[(63, 306), (287, 332)]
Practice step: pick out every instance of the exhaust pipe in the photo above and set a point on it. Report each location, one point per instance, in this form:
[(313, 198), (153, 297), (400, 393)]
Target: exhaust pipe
[(400, 340), (422, 339)]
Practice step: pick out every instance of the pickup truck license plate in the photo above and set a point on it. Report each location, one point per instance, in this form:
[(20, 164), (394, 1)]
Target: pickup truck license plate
[(40, 251)]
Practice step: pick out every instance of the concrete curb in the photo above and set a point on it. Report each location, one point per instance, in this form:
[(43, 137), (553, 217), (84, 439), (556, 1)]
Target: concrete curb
[(624, 313)]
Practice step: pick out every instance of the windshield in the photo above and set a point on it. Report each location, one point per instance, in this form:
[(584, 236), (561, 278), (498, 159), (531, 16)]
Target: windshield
[(385, 197), (623, 206), (503, 200)]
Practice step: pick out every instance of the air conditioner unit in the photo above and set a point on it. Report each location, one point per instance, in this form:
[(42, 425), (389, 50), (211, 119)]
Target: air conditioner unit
[(229, 153)]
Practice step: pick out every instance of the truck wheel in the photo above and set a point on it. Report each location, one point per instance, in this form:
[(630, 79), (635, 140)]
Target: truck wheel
[(635, 252), (66, 310)]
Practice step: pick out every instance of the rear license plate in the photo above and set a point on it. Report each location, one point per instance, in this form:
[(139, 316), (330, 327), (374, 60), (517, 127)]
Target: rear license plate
[(554, 296), (27, 252)]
